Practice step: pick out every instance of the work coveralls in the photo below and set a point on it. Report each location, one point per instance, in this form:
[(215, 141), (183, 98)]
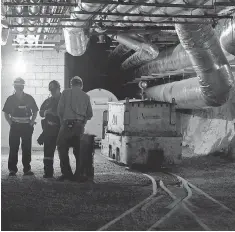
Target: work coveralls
[(20, 111), (51, 126), (74, 110)]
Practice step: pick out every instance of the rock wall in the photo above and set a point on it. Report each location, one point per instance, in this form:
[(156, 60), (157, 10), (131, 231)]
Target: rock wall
[(211, 130)]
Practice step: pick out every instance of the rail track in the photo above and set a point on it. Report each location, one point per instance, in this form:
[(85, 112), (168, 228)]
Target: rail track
[(175, 203)]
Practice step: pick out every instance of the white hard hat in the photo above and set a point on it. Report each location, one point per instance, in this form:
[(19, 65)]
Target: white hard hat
[(77, 79), (19, 81)]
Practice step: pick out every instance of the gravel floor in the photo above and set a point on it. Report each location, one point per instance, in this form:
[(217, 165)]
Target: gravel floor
[(32, 203)]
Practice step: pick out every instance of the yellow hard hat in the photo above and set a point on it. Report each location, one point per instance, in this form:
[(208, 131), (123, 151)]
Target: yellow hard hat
[(19, 81)]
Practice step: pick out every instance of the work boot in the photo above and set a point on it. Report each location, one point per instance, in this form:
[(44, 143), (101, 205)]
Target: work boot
[(80, 179), (48, 176), (28, 173), (63, 178), (12, 173)]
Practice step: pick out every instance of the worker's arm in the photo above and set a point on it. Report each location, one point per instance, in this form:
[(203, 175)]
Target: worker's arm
[(34, 109), (8, 118), (89, 112), (7, 109), (43, 109), (34, 116), (61, 106)]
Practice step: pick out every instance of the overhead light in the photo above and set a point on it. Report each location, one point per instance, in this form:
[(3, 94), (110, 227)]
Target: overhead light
[(34, 48), (19, 9), (20, 66), (36, 45)]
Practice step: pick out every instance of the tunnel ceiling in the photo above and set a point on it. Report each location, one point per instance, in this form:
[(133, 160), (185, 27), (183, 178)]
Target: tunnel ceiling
[(149, 25)]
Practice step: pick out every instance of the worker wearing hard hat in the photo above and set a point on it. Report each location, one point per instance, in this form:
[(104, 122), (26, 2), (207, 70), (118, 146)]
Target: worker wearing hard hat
[(74, 109), (20, 112), (51, 126)]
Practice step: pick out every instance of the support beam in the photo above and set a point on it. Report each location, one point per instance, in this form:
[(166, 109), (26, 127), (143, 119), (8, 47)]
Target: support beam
[(208, 16), (12, 4), (37, 16), (34, 33), (186, 6), (224, 4), (105, 28), (134, 21)]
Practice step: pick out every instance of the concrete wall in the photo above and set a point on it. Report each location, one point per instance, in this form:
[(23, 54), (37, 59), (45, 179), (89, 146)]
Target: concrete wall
[(41, 68)]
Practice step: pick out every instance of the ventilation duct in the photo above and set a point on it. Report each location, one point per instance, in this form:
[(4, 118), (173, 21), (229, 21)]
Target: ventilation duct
[(173, 58), (76, 39), (227, 38), (137, 59), (120, 51), (215, 80), (141, 58), (135, 45), (4, 27)]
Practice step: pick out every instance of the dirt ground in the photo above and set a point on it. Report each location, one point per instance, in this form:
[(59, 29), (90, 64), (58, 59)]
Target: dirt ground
[(33, 203)]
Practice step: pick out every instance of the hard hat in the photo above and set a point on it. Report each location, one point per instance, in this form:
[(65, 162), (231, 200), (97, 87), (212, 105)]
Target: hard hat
[(19, 81), (76, 79)]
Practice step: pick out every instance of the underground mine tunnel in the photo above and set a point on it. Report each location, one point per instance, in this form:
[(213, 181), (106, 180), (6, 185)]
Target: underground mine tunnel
[(117, 115)]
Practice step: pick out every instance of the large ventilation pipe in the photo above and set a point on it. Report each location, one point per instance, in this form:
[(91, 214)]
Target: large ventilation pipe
[(119, 52), (4, 27), (76, 39), (135, 45), (173, 58), (215, 80), (227, 38), (137, 59), (141, 58)]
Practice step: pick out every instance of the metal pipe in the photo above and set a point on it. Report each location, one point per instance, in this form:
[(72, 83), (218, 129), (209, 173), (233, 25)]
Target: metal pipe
[(36, 33), (128, 21), (106, 27), (214, 16), (37, 16), (10, 4), (121, 14), (191, 6)]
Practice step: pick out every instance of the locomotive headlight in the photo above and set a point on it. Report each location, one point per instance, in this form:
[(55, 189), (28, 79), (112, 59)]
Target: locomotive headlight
[(143, 84)]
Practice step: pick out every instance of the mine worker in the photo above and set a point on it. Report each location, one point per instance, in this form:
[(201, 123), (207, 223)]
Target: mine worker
[(74, 110), (50, 126), (20, 112)]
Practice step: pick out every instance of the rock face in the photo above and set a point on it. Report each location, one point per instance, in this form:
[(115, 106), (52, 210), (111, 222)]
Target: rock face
[(211, 130)]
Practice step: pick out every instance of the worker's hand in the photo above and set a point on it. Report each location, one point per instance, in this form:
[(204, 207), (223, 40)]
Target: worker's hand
[(47, 112), (32, 123)]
